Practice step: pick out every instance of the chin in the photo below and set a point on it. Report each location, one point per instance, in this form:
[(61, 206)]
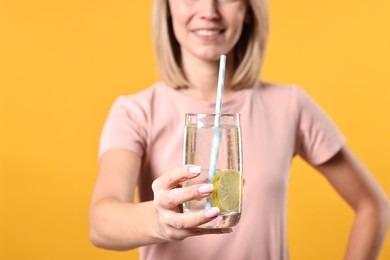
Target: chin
[(210, 56), (205, 53)]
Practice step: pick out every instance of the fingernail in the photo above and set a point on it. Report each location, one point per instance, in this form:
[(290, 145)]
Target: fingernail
[(207, 188), (213, 212), (195, 169)]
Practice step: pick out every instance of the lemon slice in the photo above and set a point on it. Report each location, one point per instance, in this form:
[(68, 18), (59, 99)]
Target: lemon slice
[(227, 191)]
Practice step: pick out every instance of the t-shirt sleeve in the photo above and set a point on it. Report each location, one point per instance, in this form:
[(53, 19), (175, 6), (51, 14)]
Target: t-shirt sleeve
[(124, 128), (318, 138)]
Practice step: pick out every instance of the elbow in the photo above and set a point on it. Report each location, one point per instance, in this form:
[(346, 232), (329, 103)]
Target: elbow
[(382, 209), (101, 241), (385, 217), (386, 213), (105, 241), (376, 210), (101, 232), (95, 240), (383, 206), (96, 235)]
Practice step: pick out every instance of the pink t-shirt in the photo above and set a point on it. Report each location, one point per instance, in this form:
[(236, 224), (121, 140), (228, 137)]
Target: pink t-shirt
[(277, 122)]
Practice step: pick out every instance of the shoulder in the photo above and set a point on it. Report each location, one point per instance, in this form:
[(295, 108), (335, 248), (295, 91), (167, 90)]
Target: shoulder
[(286, 92), (287, 100), (142, 97), (132, 108), (270, 88), (279, 95), (142, 101)]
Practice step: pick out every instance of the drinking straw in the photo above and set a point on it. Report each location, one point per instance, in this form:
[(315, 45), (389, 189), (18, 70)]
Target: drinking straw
[(218, 104), (217, 131)]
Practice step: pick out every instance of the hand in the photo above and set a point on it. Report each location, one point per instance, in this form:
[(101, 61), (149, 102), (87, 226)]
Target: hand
[(168, 196)]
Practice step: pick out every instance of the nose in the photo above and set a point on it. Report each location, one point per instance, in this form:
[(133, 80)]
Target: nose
[(209, 9)]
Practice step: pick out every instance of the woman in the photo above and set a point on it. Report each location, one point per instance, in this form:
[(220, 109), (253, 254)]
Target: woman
[(142, 142)]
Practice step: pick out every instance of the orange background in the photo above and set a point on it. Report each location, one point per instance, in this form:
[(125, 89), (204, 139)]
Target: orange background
[(62, 64)]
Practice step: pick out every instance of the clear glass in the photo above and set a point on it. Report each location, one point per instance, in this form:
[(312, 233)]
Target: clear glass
[(199, 135)]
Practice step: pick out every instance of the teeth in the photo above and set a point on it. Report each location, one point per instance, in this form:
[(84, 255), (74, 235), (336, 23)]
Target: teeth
[(207, 32)]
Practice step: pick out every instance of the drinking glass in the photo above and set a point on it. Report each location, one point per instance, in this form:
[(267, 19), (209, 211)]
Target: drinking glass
[(215, 145)]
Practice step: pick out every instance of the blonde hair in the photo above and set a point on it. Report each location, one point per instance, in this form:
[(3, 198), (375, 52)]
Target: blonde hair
[(248, 52)]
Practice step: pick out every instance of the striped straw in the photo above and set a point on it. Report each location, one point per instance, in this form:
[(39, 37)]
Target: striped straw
[(221, 76), (217, 132)]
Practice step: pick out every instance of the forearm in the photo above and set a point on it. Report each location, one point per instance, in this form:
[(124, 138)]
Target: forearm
[(118, 225), (368, 233)]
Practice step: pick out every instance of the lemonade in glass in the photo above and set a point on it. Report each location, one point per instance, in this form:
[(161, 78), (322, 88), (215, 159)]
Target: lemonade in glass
[(226, 177)]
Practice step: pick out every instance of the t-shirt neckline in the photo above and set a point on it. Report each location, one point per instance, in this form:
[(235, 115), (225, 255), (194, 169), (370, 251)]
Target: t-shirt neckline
[(236, 99)]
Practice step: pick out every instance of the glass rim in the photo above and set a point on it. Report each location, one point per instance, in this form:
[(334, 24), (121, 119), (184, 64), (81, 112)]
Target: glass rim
[(212, 114)]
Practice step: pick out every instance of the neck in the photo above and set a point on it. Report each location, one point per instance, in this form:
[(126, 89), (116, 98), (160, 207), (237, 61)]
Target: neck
[(203, 78)]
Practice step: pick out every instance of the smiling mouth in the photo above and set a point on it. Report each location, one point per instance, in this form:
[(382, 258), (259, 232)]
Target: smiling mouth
[(204, 32)]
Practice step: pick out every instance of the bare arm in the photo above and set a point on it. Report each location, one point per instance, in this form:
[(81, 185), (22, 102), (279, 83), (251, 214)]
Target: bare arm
[(119, 224), (372, 209)]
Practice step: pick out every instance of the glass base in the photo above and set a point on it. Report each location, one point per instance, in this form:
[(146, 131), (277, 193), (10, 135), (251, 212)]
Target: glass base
[(223, 221)]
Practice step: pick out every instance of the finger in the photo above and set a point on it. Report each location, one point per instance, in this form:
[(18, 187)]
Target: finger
[(173, 178), (190, 220), (207, 231), (189, 232), (180, 234), (172, 198)]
